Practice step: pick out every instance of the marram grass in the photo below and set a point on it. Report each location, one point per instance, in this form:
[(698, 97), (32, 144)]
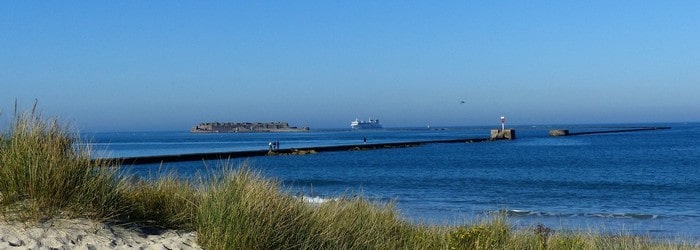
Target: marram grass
[(44, 175), (240, 210), (166, 202), (243, 210)]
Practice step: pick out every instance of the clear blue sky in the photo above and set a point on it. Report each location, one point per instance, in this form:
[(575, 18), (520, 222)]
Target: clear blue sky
[(167, 65)]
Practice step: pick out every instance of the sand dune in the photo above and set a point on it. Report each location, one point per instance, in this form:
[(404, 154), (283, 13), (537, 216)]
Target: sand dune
[(87, 234)]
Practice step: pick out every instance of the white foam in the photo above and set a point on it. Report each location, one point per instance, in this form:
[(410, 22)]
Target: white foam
[(315, 200)]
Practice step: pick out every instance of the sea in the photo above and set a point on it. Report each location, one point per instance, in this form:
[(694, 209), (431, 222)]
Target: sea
[(641, 183)]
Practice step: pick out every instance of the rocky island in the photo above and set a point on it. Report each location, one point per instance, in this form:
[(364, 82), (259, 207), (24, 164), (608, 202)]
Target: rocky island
[(245, 127)]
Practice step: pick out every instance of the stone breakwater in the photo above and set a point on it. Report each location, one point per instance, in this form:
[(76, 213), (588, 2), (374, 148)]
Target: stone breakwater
[(87, 234), (566, 132), (289, 151)]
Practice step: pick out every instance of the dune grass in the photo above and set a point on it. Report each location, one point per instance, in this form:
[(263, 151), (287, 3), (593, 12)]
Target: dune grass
[(44, 175), (166, 202)]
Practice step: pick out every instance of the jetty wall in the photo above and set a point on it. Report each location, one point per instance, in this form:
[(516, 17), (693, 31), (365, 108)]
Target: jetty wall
[(288, 151), (496, 134), (565, 132)]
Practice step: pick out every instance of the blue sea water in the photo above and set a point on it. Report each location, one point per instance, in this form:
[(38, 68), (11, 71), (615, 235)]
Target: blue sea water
[(645, 183)]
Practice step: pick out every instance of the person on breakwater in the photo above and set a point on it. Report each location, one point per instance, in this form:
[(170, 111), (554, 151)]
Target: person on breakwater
[(364, 140), (270, 144)]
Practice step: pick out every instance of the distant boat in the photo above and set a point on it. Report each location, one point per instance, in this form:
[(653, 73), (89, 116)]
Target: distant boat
[(360, 124)]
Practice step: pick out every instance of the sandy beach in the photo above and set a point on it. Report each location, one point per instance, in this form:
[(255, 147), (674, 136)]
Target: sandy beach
[(87, 234)]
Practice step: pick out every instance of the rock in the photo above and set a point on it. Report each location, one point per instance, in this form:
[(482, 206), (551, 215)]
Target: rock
[(31, 245), (156, 247), (90, 247), (52, 243), (559, 132), (508, 134), (35, 233), (12, 240)]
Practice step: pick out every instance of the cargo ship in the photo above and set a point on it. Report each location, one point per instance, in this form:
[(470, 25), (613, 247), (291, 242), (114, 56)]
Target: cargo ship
[(245, 127), (360, 124)]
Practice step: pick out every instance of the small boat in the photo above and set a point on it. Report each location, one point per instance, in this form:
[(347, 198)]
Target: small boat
[(360, 124)]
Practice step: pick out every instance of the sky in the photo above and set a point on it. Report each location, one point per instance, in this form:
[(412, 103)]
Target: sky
[(169, 65)]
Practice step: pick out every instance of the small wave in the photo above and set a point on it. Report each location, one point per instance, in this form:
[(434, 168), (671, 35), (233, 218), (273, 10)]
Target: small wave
[(623, 215), (517, 212), (639, 216)]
